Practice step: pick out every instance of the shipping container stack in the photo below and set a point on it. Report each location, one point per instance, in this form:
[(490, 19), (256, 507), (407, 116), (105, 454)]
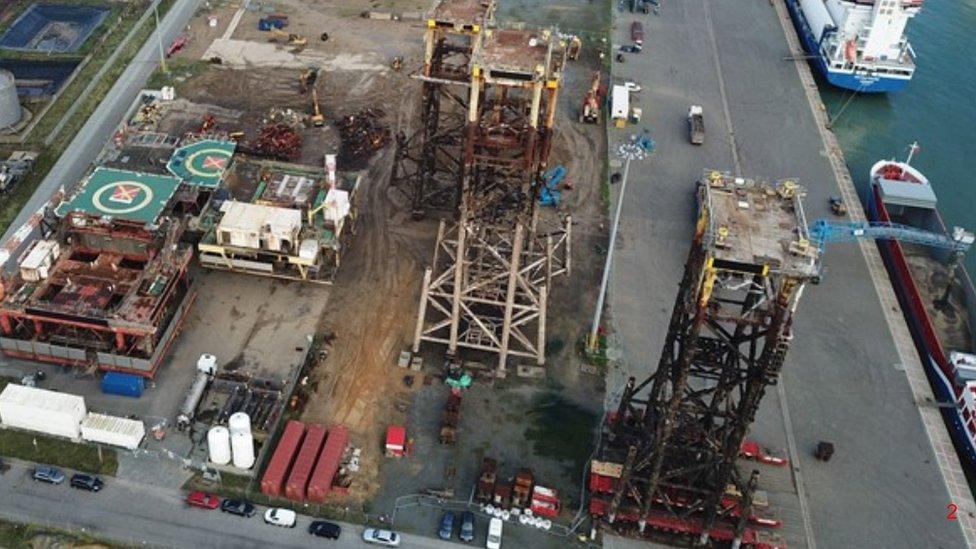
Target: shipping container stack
[(273, 481), (329, 460), (305, 463)]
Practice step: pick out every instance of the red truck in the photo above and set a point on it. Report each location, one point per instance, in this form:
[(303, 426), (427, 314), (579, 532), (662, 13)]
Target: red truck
[(637, 33)]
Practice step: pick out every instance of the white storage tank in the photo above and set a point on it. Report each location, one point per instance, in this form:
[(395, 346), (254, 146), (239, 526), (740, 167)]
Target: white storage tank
[(10, 110), (113, 430), (243, 446), (218, 445), (239, 423), (40, 410)]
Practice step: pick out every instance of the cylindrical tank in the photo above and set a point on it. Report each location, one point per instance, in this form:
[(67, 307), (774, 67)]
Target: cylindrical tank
[(243, 446), (218, 444), (207, 363), (10, 109), (239, 423)]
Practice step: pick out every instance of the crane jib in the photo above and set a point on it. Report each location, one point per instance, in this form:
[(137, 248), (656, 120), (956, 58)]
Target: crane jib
[(823, 232)]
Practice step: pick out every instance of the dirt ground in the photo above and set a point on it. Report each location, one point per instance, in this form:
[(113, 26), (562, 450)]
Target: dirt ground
[(371, 311)]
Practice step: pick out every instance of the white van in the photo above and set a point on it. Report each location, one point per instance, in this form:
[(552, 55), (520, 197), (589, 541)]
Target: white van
[(494, 534)]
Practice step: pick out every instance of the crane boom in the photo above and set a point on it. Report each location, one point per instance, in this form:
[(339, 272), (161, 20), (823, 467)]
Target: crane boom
[(823, 232)]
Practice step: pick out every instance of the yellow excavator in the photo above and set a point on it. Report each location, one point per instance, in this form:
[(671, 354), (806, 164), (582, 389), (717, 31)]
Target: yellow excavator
[(282, 37), (317, 119)]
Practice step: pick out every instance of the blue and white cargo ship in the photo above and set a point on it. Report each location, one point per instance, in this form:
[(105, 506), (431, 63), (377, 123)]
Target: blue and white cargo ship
[(858, 45)]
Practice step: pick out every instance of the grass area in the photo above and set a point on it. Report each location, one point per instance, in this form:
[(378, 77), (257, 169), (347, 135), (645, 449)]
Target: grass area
[(17, 535), (179, 72), (14, 201), (58, 452)]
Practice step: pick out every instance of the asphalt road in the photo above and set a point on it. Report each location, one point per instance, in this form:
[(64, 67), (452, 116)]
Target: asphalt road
[(139, 514), (842, 381), (78, 156)]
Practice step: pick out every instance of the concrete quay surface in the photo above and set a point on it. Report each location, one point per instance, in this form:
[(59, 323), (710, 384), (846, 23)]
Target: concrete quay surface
[(849, 377)]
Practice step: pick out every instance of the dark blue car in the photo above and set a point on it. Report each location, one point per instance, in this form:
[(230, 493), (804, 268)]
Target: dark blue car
[(467, 527), (447, 526)]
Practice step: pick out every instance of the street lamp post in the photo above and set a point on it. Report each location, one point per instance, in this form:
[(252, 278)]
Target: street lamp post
[(159, 36), (628, 151)]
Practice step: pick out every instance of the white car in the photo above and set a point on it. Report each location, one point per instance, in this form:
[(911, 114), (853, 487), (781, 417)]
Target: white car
[(276, 516), (632, 86), (381, 537), (494, 534)]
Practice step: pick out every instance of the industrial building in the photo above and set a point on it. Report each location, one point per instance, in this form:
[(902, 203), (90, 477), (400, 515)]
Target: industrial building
[(282, 220), (107, 288)]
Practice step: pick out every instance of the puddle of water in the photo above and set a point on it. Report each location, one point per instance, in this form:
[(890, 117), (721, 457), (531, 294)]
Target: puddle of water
[(561, 430)]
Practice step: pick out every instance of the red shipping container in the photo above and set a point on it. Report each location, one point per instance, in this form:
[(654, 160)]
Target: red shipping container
[(304, 463), (273, 480), (329, 460)]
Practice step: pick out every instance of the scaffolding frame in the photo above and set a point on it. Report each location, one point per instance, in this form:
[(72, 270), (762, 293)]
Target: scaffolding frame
[(488, 285)]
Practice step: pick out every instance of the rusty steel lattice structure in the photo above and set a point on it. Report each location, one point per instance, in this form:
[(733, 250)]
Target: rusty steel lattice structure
[(667, 457), (488, 285), (427, 165)]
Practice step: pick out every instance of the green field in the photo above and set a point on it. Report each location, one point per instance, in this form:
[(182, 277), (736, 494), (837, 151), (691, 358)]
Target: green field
[(58, 452), (17, 535)]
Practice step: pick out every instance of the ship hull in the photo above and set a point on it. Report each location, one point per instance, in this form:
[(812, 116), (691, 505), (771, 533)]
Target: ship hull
[(860, 81), (938, 369)]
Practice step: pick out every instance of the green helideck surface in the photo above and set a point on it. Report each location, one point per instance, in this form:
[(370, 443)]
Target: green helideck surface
[(123, 194)]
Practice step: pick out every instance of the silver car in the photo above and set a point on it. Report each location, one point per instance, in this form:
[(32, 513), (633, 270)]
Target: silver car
[(50, 475), (381, 537)]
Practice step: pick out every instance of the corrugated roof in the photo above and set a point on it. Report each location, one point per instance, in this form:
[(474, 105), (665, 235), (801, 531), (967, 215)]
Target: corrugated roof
[(41, 398), (904, 193), (242, 216), (114, 424)]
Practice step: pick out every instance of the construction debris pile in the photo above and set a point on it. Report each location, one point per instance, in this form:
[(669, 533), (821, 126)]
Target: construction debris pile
[(278, 141), (361, 135)]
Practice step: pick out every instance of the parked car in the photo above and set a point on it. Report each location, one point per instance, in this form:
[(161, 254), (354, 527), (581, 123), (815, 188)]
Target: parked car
[(202, 500), (276, 516), (381, 537), (324, 529), (467, 527), (494, 534), (637, 32), (237, 507), (86, 482), (50, 475), (630, 48), (446, 529)]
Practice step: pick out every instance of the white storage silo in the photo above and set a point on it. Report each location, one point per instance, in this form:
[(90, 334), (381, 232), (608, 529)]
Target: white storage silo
[(239, 423), (10, 109), (218, 443), (243, 446)]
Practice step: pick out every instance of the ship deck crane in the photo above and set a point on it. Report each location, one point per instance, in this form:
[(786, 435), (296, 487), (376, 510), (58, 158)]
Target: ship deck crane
[(823, 232)]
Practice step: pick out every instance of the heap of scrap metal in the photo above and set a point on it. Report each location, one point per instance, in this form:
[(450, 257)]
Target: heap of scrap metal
[(487, 288), (667, 458), (278, 141), (361, 135)]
